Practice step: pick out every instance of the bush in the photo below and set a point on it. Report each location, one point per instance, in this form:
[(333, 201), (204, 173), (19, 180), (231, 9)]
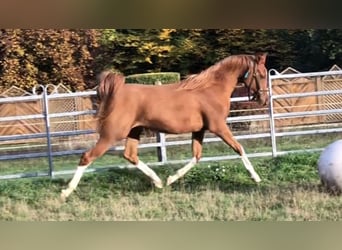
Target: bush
[(152, 78)]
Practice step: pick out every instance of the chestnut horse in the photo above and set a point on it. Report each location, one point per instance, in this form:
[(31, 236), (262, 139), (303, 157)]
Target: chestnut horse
[(198, 103)]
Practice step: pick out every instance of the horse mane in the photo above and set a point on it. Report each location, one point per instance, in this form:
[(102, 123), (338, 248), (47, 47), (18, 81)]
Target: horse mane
[(217, 72), (110, 83)]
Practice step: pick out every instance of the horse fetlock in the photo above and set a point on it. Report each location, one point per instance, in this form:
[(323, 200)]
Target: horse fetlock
[(256, 178)]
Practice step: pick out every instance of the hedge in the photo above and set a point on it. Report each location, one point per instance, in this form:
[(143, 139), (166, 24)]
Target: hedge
[(153, 78)]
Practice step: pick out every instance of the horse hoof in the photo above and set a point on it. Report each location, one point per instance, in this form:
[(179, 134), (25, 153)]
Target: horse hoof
[(64, 195), (257, 179), (158, 184)]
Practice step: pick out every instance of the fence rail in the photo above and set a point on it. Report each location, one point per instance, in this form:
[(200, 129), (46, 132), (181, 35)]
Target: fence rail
[(270, 129)]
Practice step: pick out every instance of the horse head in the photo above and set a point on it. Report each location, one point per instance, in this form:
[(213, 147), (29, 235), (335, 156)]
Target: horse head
[(255, 79)]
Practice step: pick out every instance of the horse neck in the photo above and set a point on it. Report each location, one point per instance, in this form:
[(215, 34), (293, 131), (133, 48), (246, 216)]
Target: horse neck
[(228, 83), (230, 69)]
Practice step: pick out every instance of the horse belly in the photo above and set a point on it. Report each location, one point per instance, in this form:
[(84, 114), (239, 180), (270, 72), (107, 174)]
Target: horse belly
[(170, 112), (175, 121)]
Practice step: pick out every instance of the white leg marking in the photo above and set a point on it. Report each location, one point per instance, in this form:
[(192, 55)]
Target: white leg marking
[(74, 182), (249, 167), (181, 172), (150, 173)]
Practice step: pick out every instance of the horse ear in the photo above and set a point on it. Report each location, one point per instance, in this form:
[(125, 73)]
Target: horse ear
[(260, 57)]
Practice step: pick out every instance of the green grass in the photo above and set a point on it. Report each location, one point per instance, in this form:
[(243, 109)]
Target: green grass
[(290, 191)]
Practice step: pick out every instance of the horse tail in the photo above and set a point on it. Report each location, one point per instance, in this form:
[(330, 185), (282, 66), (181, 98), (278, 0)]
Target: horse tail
[(110, 83)]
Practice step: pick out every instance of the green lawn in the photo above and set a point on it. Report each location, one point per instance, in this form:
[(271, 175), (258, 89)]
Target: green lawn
[(290, 190)]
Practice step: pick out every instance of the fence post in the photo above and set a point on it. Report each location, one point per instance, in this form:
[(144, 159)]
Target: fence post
[(271, 111), (47, 127), (320, 98), (161, 150)]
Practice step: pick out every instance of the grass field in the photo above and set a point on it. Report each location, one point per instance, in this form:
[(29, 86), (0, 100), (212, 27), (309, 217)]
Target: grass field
[(219, 191)]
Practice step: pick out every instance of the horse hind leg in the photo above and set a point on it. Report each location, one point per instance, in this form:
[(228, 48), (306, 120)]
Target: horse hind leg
[(131, 154), (86, 159), (197, 139)]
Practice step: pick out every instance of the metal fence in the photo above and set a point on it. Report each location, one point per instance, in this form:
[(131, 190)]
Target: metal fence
[(324, 109), (263, 124)]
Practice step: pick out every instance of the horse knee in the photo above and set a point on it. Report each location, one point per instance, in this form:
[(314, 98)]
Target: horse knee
[(132, 158)]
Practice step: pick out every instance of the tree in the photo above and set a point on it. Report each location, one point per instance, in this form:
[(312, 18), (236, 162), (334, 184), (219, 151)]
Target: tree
[(133, 50), (325, 49), (31, 57), (74, 57)]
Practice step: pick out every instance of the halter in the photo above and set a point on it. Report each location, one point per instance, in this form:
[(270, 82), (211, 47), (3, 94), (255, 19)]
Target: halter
[(255, 75)]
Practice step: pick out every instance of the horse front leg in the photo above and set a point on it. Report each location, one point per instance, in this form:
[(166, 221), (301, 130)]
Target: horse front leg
[(197, 139), (226, 135)]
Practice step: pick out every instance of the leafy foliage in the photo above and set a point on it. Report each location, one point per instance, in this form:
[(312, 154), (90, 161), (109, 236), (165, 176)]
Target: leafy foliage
[(31, 57), (74, 57), (134, 51)]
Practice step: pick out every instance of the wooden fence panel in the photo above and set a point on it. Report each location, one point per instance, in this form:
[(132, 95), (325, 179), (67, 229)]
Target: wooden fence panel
[(23, 126), (332, 101), (87, 122), (295, 104)]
